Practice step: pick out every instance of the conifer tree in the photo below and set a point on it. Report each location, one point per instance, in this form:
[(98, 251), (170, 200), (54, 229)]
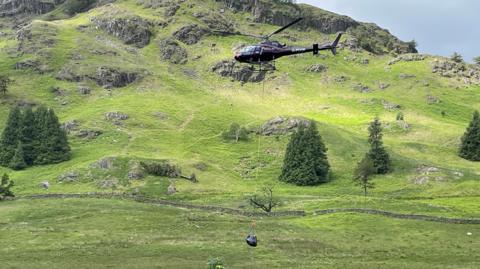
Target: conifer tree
[(18, 160), (40, 127), (456, 57), (306, 162), (10, 136), (28, 133), (54, 146), (377, 153), (470, 146), (5, 187)]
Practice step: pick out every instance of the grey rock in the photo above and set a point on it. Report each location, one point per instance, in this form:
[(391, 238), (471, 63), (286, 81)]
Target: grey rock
[(171, 10), (317, 68), (108, 76), (34, 65), (283, 125), (160, 115), (135, 175), (84, 90), (111, 116), (390, 106), (44, 185), (365, 61), (69, 177), (406, 76), (362, 88), (171, 190), (18, 7), (410, 57), (432, 100), (105, 163), (341, 79), (383, 86), (88, 134), (70, 126), (190, 34), (131, 29), (110, 183), (200, 166), (469, 74), (171, 51)]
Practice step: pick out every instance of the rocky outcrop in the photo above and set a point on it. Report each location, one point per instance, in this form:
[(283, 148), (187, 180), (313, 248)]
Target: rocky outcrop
[(469, 74), (243, 74), (131, 29), (317, 68), (34, 65), (107, 77), (18, 7), (283, 125), (36, 38), (190, 34), (113, 116), (172, 52), (88, 134)]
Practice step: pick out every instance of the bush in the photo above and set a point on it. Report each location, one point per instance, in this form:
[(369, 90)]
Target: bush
[(5, 187), (161, 169), (236, 133), (215, 263)]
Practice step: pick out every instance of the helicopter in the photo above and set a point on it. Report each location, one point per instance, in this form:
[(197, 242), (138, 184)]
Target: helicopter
[(266, 52)]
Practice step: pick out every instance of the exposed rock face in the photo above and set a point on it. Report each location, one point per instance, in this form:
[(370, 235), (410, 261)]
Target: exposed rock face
[(34, 65), (131, 29), (88, 134), (274, 12), (282, 125), (190, 34), (244, 74), (172, 51), (469, 74), (105, 163), (37, 38), (71, 176), (104, 76), (17, 7)]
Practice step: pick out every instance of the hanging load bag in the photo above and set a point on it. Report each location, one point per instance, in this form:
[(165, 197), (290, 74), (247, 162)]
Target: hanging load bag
[(251, 240)]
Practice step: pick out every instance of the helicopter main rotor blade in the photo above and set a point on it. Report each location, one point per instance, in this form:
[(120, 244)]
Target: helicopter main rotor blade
[(283, 28), (235, 33)]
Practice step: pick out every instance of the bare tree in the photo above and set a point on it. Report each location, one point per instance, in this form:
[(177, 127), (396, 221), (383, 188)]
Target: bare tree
[(265, 201)]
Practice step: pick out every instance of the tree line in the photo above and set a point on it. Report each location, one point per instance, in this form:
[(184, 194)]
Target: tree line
[(33, 138)]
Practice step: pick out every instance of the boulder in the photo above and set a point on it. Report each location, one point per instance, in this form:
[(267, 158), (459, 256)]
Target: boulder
[(71, 176), (113, 77), (105, 163), (172, 52), (283, 125), (340, 79), (19, 7), (469, 74), (110, 183), (84, 90), (88, 134), (34, 65), (432, 100), (112, 116), (70, 126), (135, 174), (410, 57), (243, 74), (171, 190), (383, 85), (131, 29), (190, 34), (44, 185), (390, 106)]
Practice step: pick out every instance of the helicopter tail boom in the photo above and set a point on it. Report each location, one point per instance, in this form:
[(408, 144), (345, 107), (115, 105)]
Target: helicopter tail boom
[(335, 44)]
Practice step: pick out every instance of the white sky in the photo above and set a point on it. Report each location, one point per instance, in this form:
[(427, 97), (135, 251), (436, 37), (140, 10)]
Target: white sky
[(439, 26)]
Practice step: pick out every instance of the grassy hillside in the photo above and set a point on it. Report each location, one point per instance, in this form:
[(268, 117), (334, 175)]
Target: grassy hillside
[(178, 112)]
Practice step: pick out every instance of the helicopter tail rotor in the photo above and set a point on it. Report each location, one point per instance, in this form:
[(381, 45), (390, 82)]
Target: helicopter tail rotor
[(335, 44)]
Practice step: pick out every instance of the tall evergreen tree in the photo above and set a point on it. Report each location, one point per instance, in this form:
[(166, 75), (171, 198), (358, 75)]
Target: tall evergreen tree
[(10, 136), (28, 135), (377, 153), (54, 146), (470, 146), (18, 160), (306, 162)]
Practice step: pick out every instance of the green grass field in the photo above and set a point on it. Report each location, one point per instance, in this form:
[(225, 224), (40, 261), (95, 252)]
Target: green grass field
[(200, 105)]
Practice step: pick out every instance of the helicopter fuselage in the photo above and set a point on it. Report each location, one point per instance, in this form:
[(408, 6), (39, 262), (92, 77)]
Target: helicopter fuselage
[(267, 52)]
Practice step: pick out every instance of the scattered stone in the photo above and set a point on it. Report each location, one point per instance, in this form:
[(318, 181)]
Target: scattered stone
[(361, 88), (108, 76), (84, 90), (88, 134), (341, 79), (383, 86), (365, 61), (171, 51), (390, 106), (433, 100), (406, 76), (317, 68), (135, 174), (469, 74), (112, 116), (458, 174), (244, 74), (57, 91), (282, 125), (110, 183), (426, 170), (411, 57), (70, 126), (422, 180), (171, 190), (34, 65), (160, 115), (171, 10), (69, 177), (190, 34), (44, 185), (105, 163)]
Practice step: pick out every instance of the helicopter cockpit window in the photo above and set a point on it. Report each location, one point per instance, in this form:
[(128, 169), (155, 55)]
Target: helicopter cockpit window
[(249, 49)]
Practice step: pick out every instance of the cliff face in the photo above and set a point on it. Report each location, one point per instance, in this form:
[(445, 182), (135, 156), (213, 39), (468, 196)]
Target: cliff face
[(370, 36), (17, 7)]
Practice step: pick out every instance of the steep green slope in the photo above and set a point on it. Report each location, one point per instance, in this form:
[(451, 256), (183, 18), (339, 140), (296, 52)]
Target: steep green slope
[(108, 74)]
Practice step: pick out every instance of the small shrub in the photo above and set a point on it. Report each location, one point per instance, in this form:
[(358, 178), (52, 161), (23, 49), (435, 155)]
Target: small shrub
[(162, 169), (5, 187), (400, 116), (215, 263), (236, 133)]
